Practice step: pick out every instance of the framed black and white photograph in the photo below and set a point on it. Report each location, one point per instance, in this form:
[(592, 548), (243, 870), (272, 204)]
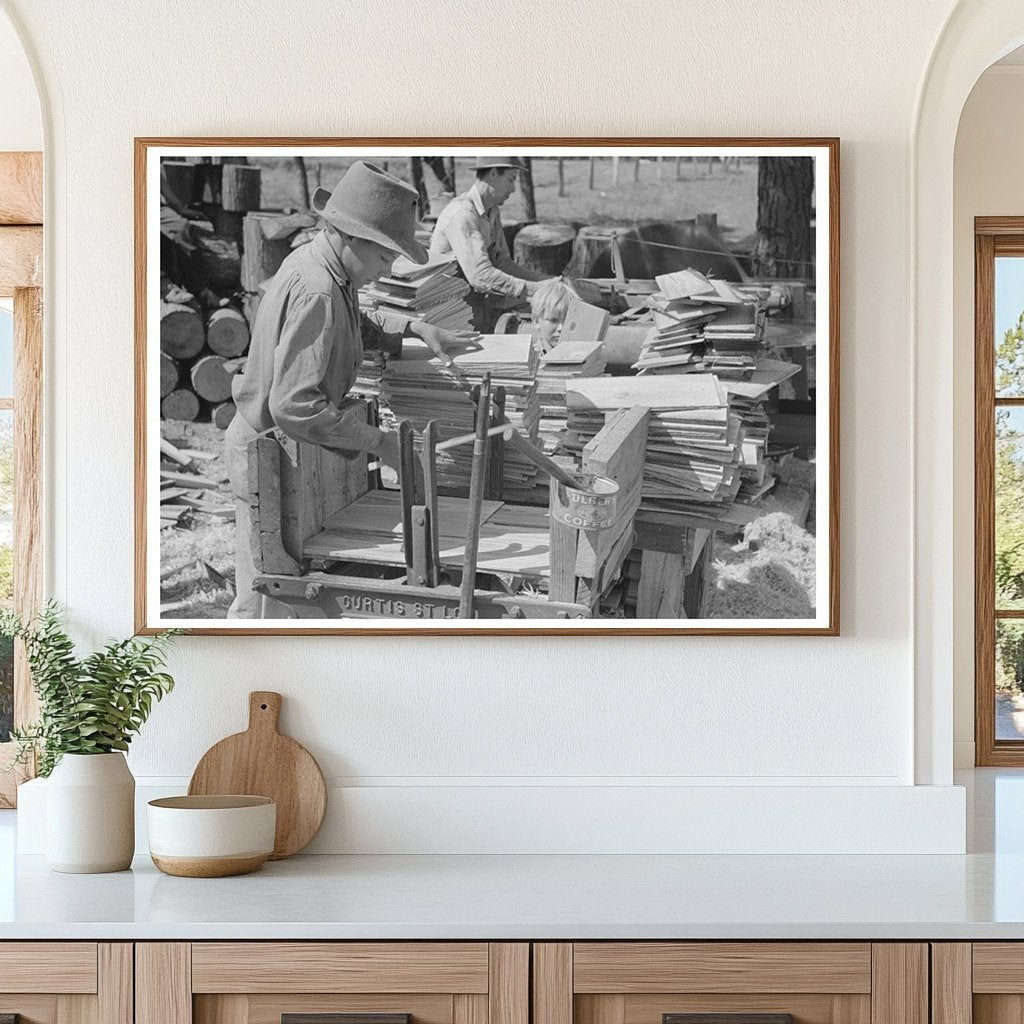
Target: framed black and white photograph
[(487, 386)]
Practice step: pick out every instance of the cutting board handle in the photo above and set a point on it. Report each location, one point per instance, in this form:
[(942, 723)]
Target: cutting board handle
[(264, 710)]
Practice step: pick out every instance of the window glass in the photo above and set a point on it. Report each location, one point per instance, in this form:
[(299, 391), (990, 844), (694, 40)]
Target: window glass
[(1009, 327)]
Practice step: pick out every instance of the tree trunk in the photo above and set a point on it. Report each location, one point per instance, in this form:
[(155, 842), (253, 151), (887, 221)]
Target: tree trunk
[(169, 374), (300, 173), (416, 174), (240, 188), (227, 333), (545, 248), (210, 380), (181, 331), (785, 238), (526, 183), (261, 256), (180, 405), (444, 170), (223, 414)]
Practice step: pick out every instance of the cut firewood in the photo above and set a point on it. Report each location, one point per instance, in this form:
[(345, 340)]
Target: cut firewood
[(181, 404), (223, 414), (227, 333), (170, 374), (210, 380), (191, 481), (181, 331)]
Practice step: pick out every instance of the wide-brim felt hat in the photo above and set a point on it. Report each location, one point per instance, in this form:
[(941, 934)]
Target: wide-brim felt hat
[(483, 163), (370, 203)]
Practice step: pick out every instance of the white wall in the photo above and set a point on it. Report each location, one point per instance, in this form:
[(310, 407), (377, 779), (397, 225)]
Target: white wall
[(988, 181), (21, 126), (439, 713)]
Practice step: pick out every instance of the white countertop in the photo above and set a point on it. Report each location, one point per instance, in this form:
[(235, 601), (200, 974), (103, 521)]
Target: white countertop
[(980, 895), (495, 897)]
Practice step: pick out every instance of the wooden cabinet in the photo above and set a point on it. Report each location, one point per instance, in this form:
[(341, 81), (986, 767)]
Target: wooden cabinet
[(261, 982), (66, 982), (651, 982), (977, 983)]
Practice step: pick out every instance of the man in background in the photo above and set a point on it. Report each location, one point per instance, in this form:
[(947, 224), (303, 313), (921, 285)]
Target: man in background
[(469, 229)]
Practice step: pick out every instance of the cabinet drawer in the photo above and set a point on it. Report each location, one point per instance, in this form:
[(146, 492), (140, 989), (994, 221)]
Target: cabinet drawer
[(329, 982), (66, 982), (64, 967), (730, 983), (340, 967)]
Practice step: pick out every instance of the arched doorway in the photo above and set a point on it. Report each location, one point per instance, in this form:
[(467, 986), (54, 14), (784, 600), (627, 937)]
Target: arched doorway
[(977, 33)]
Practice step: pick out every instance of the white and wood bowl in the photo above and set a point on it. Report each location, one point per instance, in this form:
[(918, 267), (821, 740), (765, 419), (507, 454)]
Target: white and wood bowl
[(211, 836)]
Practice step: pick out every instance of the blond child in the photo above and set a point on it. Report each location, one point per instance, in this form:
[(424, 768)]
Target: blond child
[(549, 305)]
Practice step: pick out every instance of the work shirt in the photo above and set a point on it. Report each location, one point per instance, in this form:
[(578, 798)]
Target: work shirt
[(469, 228), (306, 348)]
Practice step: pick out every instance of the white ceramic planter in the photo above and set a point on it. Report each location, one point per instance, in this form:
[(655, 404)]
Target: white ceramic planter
[(90, 814)]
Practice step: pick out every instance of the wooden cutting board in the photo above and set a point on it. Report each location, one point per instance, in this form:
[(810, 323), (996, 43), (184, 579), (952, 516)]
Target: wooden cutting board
[(262, 762)]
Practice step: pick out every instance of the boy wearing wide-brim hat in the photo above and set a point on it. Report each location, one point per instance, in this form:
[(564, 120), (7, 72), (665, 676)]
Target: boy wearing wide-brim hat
[(469, 228), (307, 344)]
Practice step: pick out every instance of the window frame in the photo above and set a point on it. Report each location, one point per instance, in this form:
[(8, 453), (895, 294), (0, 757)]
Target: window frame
[(993, 237), (21, 272)]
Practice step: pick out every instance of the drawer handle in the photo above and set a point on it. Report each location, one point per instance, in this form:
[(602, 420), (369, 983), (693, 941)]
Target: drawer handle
[(727, 1018), (339, 1018)]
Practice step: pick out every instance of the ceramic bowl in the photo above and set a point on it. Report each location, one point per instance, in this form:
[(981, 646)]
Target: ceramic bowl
[(211, 836)]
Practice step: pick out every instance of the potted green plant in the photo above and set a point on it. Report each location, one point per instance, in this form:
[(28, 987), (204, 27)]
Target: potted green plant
[(90, 708)]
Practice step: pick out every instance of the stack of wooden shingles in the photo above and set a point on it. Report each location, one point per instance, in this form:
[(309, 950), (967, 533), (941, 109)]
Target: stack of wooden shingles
[(703, 325), (578, 353), (431, 292), (711, 326), (694, 443), (418, 388), (566, 361), (186, 490)]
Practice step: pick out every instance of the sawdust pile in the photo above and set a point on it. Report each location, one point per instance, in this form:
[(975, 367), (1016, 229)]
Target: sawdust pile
[(770, 574)]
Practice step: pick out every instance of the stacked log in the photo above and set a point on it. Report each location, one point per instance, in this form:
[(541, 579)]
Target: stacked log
[(545, 248), (197, 362), (204, 341)]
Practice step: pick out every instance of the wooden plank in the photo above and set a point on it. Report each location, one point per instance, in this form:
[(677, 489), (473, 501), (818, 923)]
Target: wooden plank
[(66, 967), (115, 983), (899, 989), (951, 1001), (604, 1009), (380, 513), (163, 983), (997, 1009), (269, 533), (468, 1009), (562, 543), (225, 1009), (680, 391), (552, 983), (28, 483), (21, 258), (998, 967), (21, 188), (339, 967), (629, 967), (662, 585), (616, 452), (508, 993)]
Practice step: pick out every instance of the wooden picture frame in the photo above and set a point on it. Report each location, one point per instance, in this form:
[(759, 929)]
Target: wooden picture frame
[(21, 278), (993, 237), (664, 588)]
